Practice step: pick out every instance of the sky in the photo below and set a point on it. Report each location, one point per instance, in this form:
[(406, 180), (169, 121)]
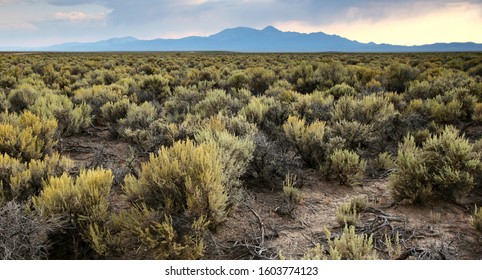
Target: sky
[(31, 23)]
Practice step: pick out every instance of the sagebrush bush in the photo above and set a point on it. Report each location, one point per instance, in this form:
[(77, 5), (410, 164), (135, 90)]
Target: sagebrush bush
[(26, 136), (139, 116), (410, 183), (302, 78), (308, 139), (341, 90), (156, 87), (347, 214), (114, 111), (233, 152), (330, 74), (22, 97), (355, 135), (143, 233), (238, 80), (457, 104), (260, 79), (365, 122), (476, 219), (181, 103), (215, 101), (184, 178), (82, 200), (346, 167), (10, 169), (419, 90), (291, 194), (70, 119), (397, 77), (477, 116), (348, 246), (97, 95), (444, 112), (452, 163), (313, 107), (19, 181), (351, 246), (51, 165), (255, 110), (445, 166), (382, 165)]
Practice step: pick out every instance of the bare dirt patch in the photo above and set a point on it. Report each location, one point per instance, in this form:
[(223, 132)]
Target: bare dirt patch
[(437, 231)]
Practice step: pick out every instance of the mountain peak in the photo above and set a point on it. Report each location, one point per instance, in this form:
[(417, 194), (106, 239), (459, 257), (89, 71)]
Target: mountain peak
[(270, 28)]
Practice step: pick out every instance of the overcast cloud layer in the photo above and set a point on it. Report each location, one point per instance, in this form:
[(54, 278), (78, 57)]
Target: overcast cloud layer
[(46, 22)]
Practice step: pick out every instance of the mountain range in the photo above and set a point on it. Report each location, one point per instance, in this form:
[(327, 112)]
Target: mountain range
[(244, 39)]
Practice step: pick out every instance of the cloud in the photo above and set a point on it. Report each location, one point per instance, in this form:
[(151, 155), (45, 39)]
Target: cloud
[(18, 26), (76, 16), (416, 24)]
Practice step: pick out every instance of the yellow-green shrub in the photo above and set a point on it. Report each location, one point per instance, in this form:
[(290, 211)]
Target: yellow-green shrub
[(22, 97), (351, 246), (302, 78), (456, 104), (291, 194), (9, 168), (255, 110), (81, 202), (155, 87), (135, 126), (19, 181), (382, 165), (238, 80), (418, 89), (98, 95), (233, 152), (342, 90), (445, 165), (181, 103), (83, 199), (348, 246), (143, 233), (363, 122), (51, 165), (139, 116), (348, 214), (452, 163), (476, 219), (215, 101), (330, 74), (397, 76), (477, 116), (183, 178), (308, 139), (346, 167), (355, 135), (71, 119), (314, 106), (260, 79), (444, 112), (411, 182), (26, 136), (114, 111)]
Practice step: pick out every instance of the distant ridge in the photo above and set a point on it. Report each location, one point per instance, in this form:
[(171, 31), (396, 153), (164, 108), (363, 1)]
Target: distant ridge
[(244, 39)]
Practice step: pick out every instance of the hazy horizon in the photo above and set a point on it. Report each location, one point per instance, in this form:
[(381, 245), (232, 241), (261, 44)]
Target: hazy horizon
[(37, 23)]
